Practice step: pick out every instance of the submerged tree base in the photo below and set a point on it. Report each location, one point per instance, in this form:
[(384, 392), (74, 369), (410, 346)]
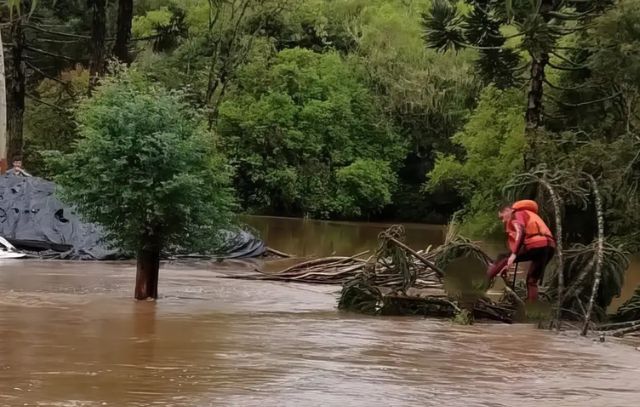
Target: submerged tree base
[(147, 271)]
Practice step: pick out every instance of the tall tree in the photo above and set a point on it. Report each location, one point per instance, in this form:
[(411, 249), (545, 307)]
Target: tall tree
[(16, 79), (231, 38), (539, 26), (166, 187), (123, 31), (98, 37), (3, 111)]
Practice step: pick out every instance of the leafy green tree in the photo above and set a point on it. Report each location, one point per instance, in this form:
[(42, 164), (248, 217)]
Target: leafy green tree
[(427, 95), (596, 115), (292, 122), (147, 170), (534, 45), (493, 143), (365, 186), (49, 122)]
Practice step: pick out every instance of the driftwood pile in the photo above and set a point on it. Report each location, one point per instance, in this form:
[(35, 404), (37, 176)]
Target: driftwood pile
[(397, 279), (626, 320)]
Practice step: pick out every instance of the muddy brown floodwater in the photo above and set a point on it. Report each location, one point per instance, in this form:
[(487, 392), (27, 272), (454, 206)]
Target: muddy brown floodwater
[(70, 335)]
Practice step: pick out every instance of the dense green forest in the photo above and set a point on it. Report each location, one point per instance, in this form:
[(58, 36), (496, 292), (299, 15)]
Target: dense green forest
[(361, 109)]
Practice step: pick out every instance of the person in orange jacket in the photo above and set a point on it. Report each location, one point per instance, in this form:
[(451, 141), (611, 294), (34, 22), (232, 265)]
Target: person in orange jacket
[(529, 239)]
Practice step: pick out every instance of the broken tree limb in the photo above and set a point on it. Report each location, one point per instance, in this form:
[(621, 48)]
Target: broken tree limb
[(635, 327), (599, 253), (512, 293), (617, 325), (557, 209), (418, 256), (271, 250)]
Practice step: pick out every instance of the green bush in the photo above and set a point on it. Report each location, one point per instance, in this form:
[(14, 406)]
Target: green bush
[(293, 124)]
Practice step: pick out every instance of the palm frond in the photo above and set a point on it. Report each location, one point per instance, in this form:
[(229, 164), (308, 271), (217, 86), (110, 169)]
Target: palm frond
[(443, 26)]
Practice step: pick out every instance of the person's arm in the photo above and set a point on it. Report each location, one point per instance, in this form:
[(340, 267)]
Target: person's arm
[(519, 227)]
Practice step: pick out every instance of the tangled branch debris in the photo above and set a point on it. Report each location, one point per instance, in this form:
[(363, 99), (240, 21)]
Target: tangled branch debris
[(397, 280)]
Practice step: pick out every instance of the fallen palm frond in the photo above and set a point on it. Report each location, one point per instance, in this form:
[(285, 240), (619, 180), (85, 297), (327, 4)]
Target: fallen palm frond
[(620, 329), (630, 310), (270, 251), (398, 280), (457, 246), (580, 267), (395, 263), (394, 267)]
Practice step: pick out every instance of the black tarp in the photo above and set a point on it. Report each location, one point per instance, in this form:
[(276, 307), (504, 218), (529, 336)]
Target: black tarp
[(34, 220)]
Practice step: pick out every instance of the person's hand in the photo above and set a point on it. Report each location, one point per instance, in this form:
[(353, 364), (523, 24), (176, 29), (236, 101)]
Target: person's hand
[(511, 260)]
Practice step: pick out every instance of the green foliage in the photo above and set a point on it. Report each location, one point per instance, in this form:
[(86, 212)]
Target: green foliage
[(464, 317), (49, 123), (365, 186), (428, 95), (596, 116), (338, 109), (149, 23), (145, 167), (493, 143), (296, 119), (538, 27)]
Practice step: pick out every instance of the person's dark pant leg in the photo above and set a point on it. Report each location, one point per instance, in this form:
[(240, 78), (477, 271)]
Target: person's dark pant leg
[(539, 259)]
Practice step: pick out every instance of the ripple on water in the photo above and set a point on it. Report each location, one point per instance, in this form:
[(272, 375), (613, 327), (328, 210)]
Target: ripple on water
[(212, 341)]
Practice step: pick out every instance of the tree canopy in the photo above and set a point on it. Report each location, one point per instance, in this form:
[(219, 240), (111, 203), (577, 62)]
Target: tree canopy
[(298, 120), (145, 167), (384, 109)]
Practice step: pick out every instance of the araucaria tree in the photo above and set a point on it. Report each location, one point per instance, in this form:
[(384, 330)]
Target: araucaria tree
[(517, 41), (145, 168)]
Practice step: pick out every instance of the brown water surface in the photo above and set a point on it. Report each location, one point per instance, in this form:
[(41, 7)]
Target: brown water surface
[(70, 335)]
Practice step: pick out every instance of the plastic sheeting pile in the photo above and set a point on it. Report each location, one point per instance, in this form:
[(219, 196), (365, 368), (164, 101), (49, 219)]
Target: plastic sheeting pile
[(34, 220)]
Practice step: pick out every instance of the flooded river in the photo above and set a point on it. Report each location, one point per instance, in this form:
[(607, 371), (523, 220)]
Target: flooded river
[(70, 335)]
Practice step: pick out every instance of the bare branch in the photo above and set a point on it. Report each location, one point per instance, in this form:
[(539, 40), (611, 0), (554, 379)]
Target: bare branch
[(590, 102), (47, 53), (565, 59), (58, 33), (557, 87), (45, 75), (35, 99), (599, 253), (567, 68)]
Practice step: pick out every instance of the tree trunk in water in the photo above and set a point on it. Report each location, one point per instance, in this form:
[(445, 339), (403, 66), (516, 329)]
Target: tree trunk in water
[(98, 32), (16, 90), (123, 34), (3, 112), (147, 270)]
